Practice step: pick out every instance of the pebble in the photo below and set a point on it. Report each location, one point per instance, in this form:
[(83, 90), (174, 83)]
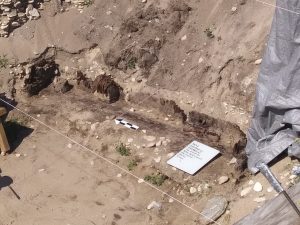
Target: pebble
[(132, 110), (184, 38), (233, 9), (233, 161), (193, 190), (140, 181), (171, 200), (270, 189), (69, 145), (251, 182), (130, 140), (144, 1), (119, 175), (158, 143), (199, 189), (223, 179), (154, 204), (258, 61), (41, 170), (92, 163), (144, 131), (257, 187), (18, 155), (158, 159), (200, 60), (258, 200), (94, 126), (245, 191)]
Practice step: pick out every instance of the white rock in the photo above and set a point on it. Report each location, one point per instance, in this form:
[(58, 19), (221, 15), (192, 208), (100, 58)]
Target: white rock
[(94, 126), (69, 145), (154, 204), (260, 199), (233, 9), (130, 140), (251, 182), (258, 61), (158, 159), (270, 189), (158, 143), (200, 60), (245, 191), (151, 145), (193, 190), (233, 161), (41, 170), (223, 179), (119, 175), (144, 131), (131, 109), (292, 177), (171, 200), (257, 187), (184, 38), (140, 181), (18, 155), (92, 163), (144, 1)]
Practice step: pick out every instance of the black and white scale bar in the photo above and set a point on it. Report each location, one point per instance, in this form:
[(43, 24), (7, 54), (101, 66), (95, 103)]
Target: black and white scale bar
[(126, 124)]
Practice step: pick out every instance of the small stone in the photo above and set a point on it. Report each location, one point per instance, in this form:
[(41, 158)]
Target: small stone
[(258, 61), (258, 200), (154, 204), (199, 189), (144, 1), (132, 110), (130, 140), (158, 143), (18, 155), (164, 143), (41, 170), (233, 9), (258, 187), (200, 60), (171, 200), (223, 179), (193, 190), (151, 145), (141, 181), (245, 191), (157, 160), (119, 175), (233, 161), (270, 189), (92, 163), (292, 177), (94, 126), (251, 182), (184, 38), (69, 145), (144, 131)]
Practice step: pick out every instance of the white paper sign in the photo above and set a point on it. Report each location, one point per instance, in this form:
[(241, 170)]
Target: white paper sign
[(193, 157)]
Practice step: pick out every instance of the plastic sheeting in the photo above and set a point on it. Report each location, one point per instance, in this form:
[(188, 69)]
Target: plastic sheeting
[(275, 124)]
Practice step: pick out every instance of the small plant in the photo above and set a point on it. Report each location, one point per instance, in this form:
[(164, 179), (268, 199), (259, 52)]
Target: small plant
[(123, 150), (3, 61), (132, 164), (156, 179), (209, 33), (131, 63), (88, 2)]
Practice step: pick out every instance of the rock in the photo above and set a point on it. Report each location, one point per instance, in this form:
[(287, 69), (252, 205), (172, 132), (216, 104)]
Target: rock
[(144, 1), (193, 190), (245, 191), (144, 131), (69, 145), (41, 170), (158, 143), (34, 13), (92, 163), (130, 140), (223, 179), (119, 175), (292, 177), (258, 187), (260, 199), (270, 189), (183, 38), (154, 204), (233, 161), (164, 143), (94, 126), (214, 208), (258, 61), (199, 189), (157, 160), (151, 145), (149, 138), (18, 155), (200, 60), (132, 110), (233, 9), (251, 182), (141, 181), (171, 200)]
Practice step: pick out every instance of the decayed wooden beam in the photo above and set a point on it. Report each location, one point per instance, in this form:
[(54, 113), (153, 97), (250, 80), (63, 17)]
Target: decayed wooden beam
[(4, 145), (276, 211)]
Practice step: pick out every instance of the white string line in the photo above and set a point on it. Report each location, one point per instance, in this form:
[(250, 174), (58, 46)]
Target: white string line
[(108, 161), (275, 6)]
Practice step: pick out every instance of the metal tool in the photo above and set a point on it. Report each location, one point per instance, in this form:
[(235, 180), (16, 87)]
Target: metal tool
[(264, 169)]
